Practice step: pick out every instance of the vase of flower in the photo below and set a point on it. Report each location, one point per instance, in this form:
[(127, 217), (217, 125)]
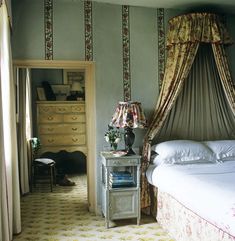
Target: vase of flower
[(113, 137)]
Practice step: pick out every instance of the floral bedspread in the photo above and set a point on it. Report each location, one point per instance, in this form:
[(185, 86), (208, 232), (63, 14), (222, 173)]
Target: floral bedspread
[(185, 225)]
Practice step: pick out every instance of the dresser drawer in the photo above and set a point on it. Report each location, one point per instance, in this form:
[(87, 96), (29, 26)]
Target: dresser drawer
[(74, 118), (67, 148), (53, 140), (62, 128), (78, 108), (46, 109), (63, 109), (47, 118)]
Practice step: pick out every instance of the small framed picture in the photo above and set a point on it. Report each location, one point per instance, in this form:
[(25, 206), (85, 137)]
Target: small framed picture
[(61, 91), (71, 75), (41, 93)]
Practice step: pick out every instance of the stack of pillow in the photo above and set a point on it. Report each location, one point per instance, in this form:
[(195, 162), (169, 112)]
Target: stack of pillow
[(191, 152)]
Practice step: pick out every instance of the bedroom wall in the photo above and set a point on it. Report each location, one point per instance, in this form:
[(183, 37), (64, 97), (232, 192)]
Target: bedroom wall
[(28, 42)]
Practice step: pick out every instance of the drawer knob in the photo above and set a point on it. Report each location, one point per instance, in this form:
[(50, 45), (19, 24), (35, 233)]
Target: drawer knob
[(74, 139), (50, 140), (74, 118), (50, 118), (74, 129)]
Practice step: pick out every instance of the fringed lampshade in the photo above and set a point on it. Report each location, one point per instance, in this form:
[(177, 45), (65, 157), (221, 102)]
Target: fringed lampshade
[(129, 115)]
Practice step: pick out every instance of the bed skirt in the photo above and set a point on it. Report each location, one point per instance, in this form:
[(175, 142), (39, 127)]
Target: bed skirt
[(183, 224)]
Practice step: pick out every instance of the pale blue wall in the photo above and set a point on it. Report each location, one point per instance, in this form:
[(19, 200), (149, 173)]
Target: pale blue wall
[(28, 32), (68, 30)]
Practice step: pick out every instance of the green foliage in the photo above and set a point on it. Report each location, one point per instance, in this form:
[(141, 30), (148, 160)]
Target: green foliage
[(113, 136), (36, 145)]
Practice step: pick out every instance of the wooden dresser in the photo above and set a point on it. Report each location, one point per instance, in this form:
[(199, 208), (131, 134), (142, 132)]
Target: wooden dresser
[(61, 125)]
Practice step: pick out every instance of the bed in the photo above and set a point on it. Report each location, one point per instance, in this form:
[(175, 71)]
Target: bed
[(195, 184)]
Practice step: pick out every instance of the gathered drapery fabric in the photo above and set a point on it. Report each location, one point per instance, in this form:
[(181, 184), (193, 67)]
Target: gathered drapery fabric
[(10, 220), (9, 12), (201, 111), (185, 34), (24, 127)]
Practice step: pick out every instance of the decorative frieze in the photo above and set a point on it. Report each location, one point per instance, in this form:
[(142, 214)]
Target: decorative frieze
[(126, 53), (88, 30), (48, 26)]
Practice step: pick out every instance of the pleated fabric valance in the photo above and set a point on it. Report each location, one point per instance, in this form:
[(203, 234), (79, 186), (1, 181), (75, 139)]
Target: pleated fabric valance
[(197, 27)]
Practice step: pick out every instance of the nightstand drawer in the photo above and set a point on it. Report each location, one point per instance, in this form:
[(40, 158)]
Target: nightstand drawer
[(122, 162)]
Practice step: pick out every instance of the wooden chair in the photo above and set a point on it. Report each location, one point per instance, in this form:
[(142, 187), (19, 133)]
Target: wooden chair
[(41, 168)]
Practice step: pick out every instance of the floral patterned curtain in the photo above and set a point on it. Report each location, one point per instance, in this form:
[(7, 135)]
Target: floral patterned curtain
[(184, 36)]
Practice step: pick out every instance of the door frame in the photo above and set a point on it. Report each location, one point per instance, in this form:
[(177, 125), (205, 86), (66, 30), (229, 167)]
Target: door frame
[(89, 68)]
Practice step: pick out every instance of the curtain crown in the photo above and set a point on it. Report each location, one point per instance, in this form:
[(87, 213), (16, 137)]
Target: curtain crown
[(197, 27)]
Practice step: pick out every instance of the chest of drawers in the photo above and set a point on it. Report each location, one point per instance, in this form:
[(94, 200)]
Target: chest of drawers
[(61, 125)]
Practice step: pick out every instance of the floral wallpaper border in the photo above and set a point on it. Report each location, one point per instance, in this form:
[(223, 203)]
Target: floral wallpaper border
[(126, 53), (48, 25), (88, 31), (161, 45)]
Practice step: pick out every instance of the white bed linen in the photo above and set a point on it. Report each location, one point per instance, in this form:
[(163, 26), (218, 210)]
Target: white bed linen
[(206, 189)]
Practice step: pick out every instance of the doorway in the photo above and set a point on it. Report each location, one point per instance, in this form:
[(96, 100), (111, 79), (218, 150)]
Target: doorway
[(88, 68)]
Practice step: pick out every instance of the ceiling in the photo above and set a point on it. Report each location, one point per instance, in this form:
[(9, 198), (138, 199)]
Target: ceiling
[(217, 5)]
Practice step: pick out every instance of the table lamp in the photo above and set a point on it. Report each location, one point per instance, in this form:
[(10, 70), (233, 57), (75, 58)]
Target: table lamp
[(129, 115)]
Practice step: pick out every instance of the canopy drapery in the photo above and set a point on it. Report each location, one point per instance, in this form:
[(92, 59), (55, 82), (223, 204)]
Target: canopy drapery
[(185, 34)]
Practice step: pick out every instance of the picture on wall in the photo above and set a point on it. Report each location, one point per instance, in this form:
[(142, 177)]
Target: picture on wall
[(41, 93), (61, 91), (75, 78), (74, 75)]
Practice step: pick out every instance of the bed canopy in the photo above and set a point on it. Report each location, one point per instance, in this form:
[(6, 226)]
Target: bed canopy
[(197, 99)]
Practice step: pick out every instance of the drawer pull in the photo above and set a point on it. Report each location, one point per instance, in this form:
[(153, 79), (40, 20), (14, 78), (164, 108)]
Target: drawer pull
[(50, 129), (74, 118), (50, 118), (61, 109), (116, 162), (74, 129), (50, 140), (46, 109), (74, 139)]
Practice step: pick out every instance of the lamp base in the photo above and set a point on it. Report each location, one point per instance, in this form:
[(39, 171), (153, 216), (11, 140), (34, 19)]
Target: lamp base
[(130, 152), (129, 138)]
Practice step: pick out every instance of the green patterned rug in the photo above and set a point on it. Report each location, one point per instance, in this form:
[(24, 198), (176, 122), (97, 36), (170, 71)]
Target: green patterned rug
[(63, 216)]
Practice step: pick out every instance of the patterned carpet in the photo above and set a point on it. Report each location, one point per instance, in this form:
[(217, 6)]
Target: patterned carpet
[(62, 216)]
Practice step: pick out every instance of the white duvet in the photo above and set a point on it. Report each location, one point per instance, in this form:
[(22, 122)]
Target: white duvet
[(206, 189)]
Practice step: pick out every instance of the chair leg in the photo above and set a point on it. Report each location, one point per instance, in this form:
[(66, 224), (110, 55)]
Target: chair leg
[(51, 177), (54, 175)]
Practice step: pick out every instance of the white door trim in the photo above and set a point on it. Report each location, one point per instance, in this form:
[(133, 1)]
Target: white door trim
[(89, 68)]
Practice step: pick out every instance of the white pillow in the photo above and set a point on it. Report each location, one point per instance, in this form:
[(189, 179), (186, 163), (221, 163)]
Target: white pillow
[(223, 149), (182, 151)]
